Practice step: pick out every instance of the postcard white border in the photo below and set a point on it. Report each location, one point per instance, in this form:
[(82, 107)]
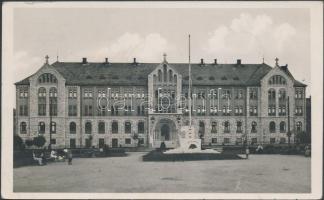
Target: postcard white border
[(316, 11)]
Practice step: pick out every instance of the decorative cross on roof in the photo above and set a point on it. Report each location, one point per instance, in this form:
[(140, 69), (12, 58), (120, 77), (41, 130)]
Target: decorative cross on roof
[(277, 59), (164, 56), (46, 59)]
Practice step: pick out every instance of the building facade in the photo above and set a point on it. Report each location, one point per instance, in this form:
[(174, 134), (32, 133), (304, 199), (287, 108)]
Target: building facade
[(83, 104)]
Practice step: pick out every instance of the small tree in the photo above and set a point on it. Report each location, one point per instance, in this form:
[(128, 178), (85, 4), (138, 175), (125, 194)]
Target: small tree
[(302, 137), (18, 142), (39, 141), (29, 142)]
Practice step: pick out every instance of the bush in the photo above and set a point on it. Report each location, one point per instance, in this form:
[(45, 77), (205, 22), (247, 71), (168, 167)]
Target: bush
[(39, 141), (18, 143), (29, 142)]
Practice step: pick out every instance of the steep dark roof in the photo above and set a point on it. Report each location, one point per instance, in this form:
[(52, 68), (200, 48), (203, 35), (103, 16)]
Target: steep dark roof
[(296, 83), (77, 73)]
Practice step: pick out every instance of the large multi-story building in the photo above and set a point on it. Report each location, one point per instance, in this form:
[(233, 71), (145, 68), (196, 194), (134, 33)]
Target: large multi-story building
[(82, 104)]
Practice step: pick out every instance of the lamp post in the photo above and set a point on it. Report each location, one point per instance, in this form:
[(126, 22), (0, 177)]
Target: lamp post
[(218, 99), (50, 115), (288, 133)]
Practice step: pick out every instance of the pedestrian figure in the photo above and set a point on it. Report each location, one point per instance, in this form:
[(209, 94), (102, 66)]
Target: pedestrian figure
[(39, 160), (247, 151), (43, 158), (70, 156)]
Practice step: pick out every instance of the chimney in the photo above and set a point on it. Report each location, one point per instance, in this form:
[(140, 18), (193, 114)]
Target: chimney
[(202, 61), (285, 67), (84, 60), (106, 60), (238, 61), (134, 62), (215, 61)]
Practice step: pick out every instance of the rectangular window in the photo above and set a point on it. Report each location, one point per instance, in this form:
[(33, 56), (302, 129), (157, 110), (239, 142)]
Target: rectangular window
[(226, 140), (72, 143), (254, 140), (41, 109), (53, 127), (53, 141), (241, 110), (127, 141), (101, 143), (141, 141), (87, 143), (239, 94), (238, 141), (214, 140), (75, 111), (272, 140), (271, 110), (226, 94), (282, 140)]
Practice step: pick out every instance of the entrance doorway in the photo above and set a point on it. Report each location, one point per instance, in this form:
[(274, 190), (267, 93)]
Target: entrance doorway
[(165, 132), (114, 142)]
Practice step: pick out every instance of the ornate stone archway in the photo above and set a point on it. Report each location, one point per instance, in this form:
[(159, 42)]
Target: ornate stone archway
[(164, 129)]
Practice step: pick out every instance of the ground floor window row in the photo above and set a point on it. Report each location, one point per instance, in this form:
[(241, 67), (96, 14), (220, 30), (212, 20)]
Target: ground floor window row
[(226, 127), (115, 127), (141, 127), (102, 142), (281, 140)]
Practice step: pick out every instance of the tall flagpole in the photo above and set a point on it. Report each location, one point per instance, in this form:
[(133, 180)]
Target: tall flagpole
[(189, 92)]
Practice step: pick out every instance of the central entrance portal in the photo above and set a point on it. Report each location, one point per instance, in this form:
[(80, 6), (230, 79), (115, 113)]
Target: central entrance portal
[(165, 131)]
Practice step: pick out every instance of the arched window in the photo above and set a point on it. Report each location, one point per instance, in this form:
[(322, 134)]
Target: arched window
[(53, 101), (277, 80), (41, 127), (170, 75), (128, 127), (254, 127), (114, 127), (160, 75), (23, 128), (238, 126), (214, 127), (299, 126), (175, 78), (282, 94), (282, 127), (53, 127), (271, 94), (272, 127), (140, 127), (226, 127), (165, 73), (41, 101), (101, 127), (201, 128), (47, 78), (72, 128), (88, 127)]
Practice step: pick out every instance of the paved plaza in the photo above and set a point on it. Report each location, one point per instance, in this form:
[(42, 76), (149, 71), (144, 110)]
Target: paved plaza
[(261, 173)]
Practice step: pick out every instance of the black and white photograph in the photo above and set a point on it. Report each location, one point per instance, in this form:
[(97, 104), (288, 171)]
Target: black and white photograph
[(162, 100)]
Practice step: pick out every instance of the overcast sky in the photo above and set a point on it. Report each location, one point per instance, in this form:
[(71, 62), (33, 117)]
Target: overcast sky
[(146, 33)]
